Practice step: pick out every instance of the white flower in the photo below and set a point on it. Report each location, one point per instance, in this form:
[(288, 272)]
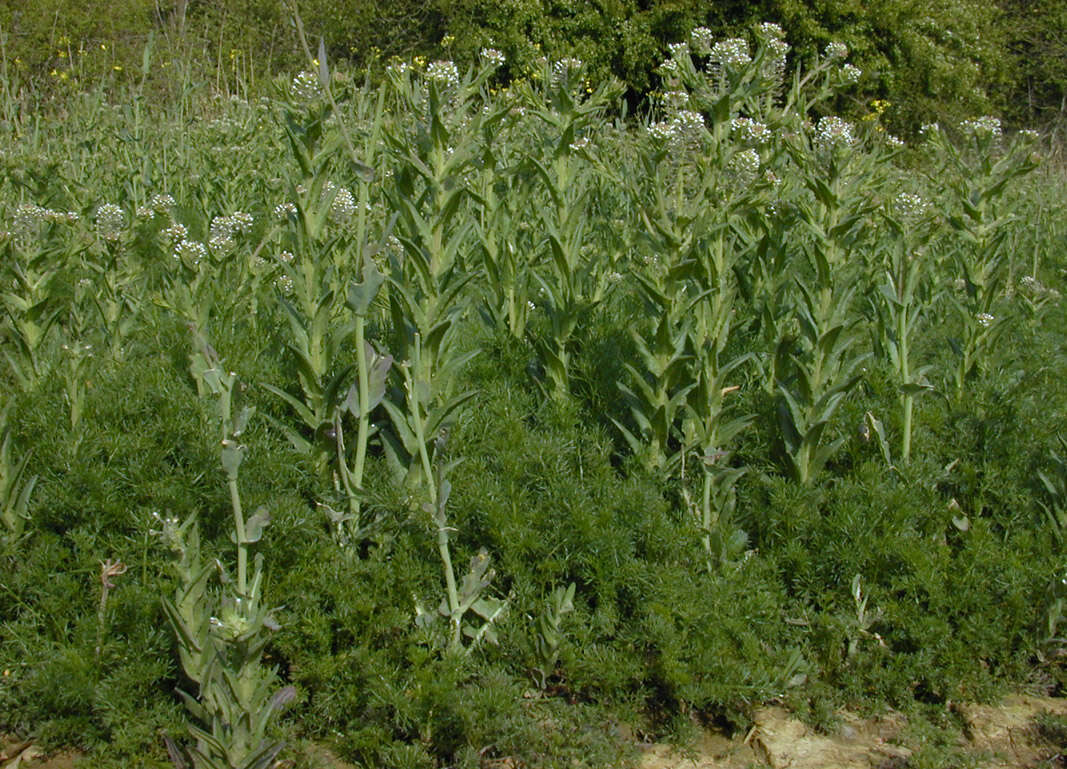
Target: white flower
[(851, 74), (563, 68), (749, 130), (678, 50), (770, 30), (701, 39), (110, 219), (175, 233), (305, 87), (444, 73), (984, 127), (835, 51), (579, 144), (907, 205), (894, 141), (343, 205), (745, 166), (190, 252), (731, 53), (832, 132), (285, 210), (493, 56), (161, 204), (985, 319)]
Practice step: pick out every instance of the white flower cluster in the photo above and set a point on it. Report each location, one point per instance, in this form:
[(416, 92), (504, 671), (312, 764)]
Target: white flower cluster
[(493, 56), (224, 228), (175, 233), (563, 68), (675, 100), (907, 205), (190, 253), (579, 144), (701, 39), (744, 166), (928, 130), (985, 127), (684, 128), (305, 86), (110, 219), (1035, 288), (833, 132), (285, 210), (343, 205), (444, 73), (1028, 134), (835, 51), (28, 218), (731, 53), (894, 141), (985, 320), (750, 131), (157, 204), (678, 50), (770, 30), (851, 74)]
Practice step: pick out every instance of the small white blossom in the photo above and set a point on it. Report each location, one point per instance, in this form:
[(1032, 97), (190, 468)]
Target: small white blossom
[(770, 30), (894, 141), (833, 132), (176, 233), (749, 130), (493, 56), (305, 87), (284, 284), (907, 205), (190, 252), (110, 219), (285, 210), (444, 73), (564, 67), (701, 39), (982, 128), (835, 51), (744, 166), (579, 144), (161, 204), (731, 53), (984, 319), (851, 74), (678, 50), (343, 206)]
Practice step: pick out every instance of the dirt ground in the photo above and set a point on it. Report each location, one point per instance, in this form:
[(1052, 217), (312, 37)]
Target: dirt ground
[(1005, 736)]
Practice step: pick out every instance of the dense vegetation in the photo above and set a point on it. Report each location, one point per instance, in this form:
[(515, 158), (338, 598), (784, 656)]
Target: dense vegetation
[(443, 422), (945, 60)]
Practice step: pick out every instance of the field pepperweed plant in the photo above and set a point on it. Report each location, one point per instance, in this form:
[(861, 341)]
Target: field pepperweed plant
[(562, 418)]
